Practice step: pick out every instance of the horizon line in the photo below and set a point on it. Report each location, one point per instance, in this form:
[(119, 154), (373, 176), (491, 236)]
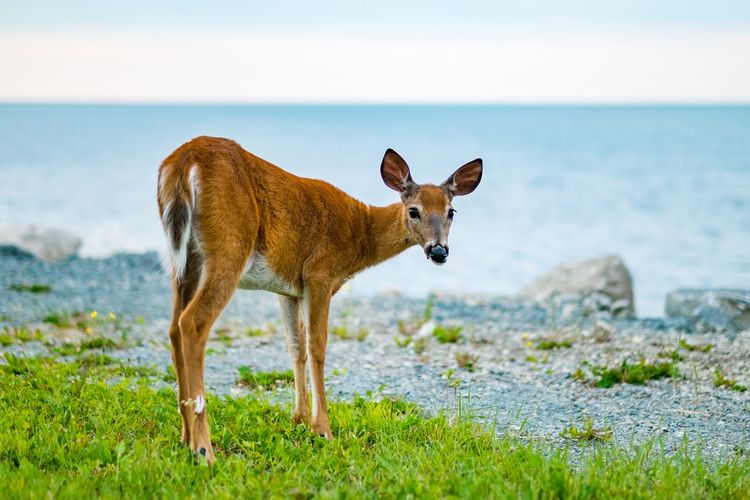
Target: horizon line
[(250, 103)]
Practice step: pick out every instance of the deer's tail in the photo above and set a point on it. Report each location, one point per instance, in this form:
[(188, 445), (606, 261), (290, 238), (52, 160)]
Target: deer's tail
[(178, 188)]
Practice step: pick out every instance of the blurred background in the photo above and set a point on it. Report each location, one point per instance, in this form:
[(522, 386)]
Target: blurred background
[(605, 127)]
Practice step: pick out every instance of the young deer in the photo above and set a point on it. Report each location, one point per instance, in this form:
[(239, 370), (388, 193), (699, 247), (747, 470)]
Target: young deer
[(233, 220)]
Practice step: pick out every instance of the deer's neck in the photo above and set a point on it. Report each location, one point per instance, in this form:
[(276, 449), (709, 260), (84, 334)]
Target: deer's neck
[(387, 235)]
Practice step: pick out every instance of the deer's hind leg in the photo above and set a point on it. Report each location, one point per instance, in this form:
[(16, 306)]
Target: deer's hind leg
[(296, 336), (182, 292), (220, 277)]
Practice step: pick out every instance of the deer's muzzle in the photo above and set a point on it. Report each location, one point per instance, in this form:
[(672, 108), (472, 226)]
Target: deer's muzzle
[(437, 254)]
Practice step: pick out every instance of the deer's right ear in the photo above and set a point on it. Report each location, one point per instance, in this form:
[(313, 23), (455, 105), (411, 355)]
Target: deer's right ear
[(395, 172)]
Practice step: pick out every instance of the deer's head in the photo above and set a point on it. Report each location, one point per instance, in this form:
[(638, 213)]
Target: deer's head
[(428, 209)]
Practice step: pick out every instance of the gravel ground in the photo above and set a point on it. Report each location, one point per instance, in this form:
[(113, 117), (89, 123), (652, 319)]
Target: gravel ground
[(514, 385)]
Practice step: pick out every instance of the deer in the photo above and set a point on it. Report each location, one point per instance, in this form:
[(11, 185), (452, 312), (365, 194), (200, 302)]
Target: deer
[(235, 221)]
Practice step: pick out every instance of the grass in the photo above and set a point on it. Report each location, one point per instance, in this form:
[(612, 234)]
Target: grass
[(249, 378), (402, 341), (345, 333), (257, 332), (627, 373), (530, 358), (447, 334), (32, 288), (224, 336), (466, 360), (72, 431), (410, 327), (547, 344), (15, 334), (695, 347), (674, 355), (587, 433), (419, 345), (86, 322), (721, 381), (87, 344), (98, 343)]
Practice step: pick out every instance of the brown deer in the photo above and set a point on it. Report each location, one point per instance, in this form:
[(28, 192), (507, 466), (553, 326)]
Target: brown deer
[(233, 220)]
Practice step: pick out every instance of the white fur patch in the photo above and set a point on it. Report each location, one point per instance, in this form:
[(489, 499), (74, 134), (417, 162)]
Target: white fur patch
[(258, 275), (193, 183), (177, 257), (200, 404), (178, 251)]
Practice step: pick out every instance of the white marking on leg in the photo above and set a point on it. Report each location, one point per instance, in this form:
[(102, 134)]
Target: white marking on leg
[(200, 404)]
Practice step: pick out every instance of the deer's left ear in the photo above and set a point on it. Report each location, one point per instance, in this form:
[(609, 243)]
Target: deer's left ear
[(465, 179)]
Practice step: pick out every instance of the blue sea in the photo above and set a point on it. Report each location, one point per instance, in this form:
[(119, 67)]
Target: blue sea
[(665, 187)]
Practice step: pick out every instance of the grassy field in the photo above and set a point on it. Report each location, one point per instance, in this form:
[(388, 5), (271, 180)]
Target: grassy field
[(94, 427)]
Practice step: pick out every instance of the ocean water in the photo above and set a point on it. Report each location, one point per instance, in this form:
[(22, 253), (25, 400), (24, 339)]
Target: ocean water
[(667, 188)]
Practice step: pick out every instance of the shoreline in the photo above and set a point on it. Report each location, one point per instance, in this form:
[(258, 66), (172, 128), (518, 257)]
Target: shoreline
[(515, 384)]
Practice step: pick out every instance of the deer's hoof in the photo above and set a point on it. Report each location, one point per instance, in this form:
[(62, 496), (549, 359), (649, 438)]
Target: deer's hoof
[(206, 454), (323, 431), (301, 417)]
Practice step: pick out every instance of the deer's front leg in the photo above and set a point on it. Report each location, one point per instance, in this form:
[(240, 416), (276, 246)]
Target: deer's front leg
[(297, 343), (317, 300)]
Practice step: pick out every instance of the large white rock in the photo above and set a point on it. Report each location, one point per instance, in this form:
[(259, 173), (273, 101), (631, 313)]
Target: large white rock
[(605, 279), (45, 243)]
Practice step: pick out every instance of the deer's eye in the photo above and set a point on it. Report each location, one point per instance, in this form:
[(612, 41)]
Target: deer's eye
[(413, 213), (451, 213)]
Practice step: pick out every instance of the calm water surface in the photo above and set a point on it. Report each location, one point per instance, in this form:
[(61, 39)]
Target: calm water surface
[(667, 188)]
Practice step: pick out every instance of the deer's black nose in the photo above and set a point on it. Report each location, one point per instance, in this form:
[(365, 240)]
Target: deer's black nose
[(438, 254)]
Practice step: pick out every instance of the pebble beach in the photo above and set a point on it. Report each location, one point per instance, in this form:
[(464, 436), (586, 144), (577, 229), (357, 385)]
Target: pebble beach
[(524, 371)]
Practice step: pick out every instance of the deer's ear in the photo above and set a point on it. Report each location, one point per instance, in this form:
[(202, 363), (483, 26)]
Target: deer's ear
[(465, 179), (395, 172)]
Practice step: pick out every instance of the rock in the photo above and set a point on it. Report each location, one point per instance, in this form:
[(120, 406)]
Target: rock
[(15, 252), (601, 284), (45, 243), (425, 331), (710, 309)]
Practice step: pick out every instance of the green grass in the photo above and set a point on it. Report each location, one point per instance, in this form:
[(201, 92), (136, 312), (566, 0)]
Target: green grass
[(402, 341), (412, 326), (72, 431), (249, 378), (345, 333), (87, 344), (419, 345), (466, 360), (587, 432), (428, 306), (546, 344), (695, 347), (87, 322), (255, 332), (627, 373), (98, 343), (32, 288), (71, 434), (19, 334), (62, 319), (674, 355), (721, 381), (447, 334)]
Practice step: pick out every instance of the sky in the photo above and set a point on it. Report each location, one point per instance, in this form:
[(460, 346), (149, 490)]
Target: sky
[(232, 51)]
